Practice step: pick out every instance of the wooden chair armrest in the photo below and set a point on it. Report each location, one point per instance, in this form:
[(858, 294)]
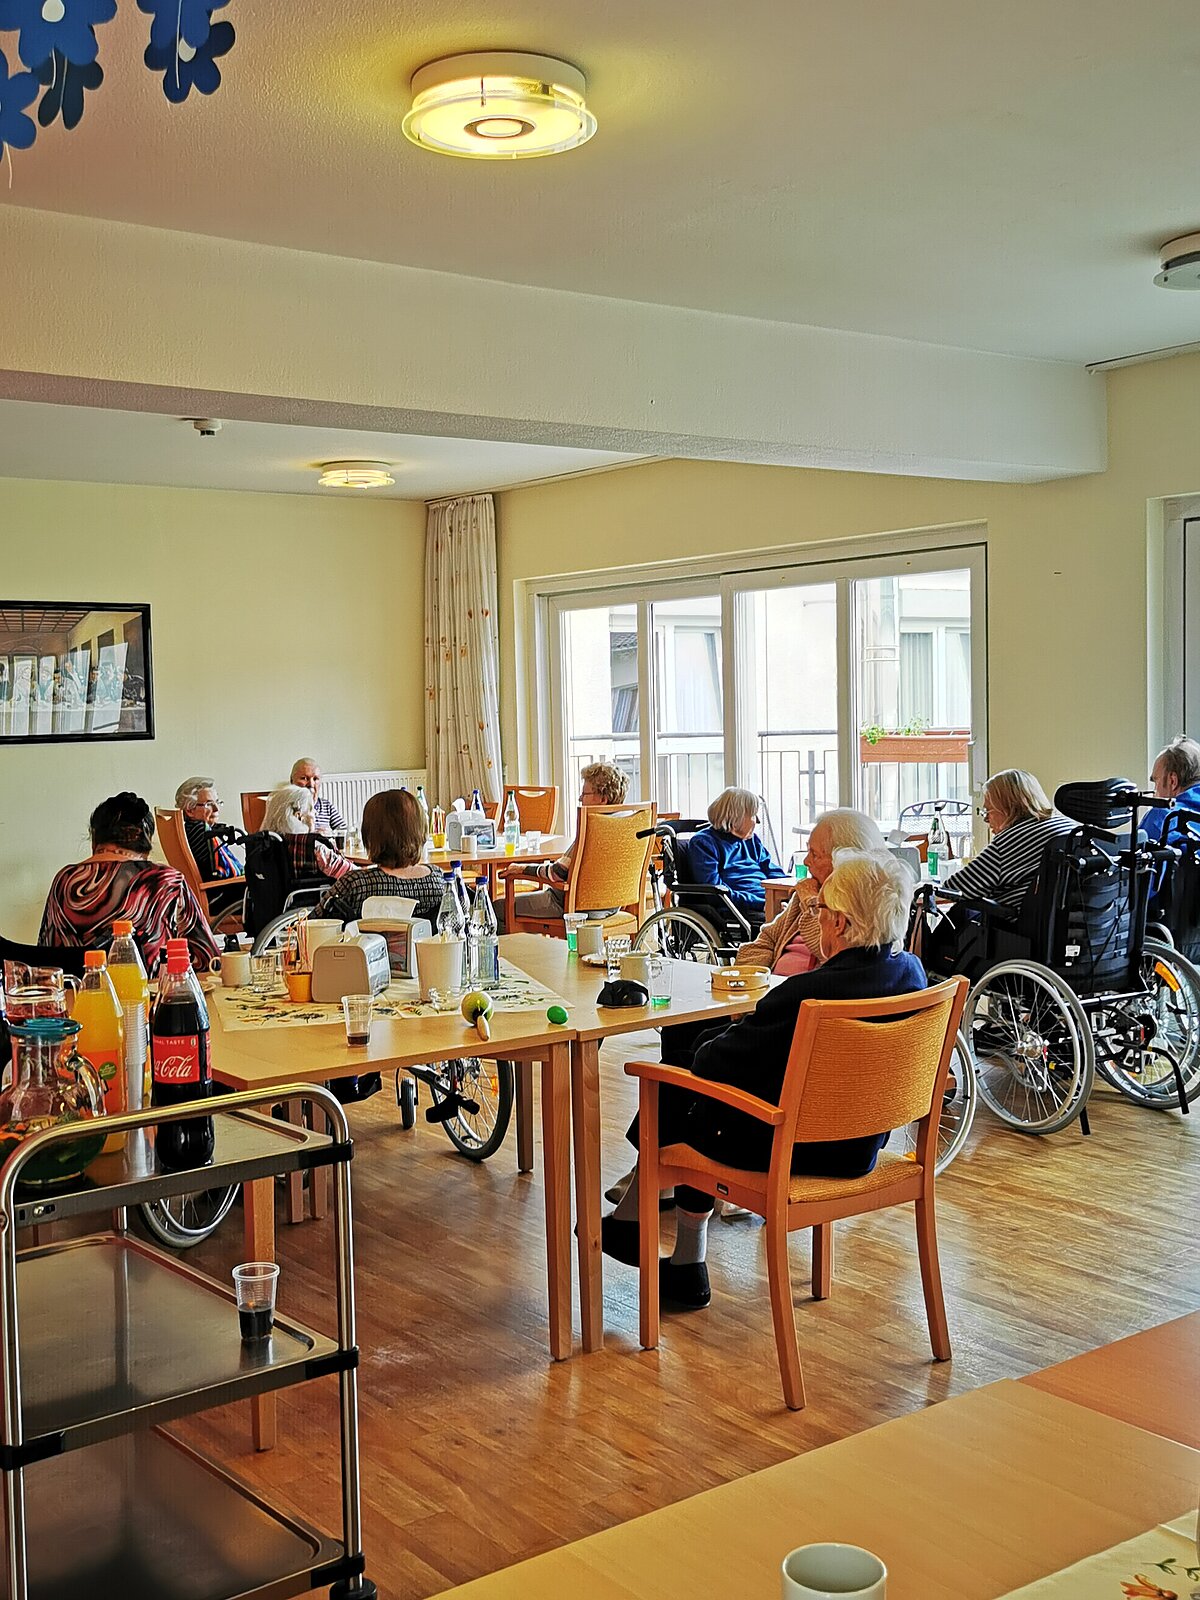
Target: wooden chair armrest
[(681, 1078), (220, 883)]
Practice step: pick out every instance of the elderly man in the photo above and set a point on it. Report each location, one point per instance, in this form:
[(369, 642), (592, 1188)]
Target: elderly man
[(197, 798), (1175, 777), (306, 774)]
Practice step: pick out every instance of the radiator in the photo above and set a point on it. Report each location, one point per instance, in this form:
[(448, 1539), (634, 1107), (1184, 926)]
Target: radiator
[(350, 791)]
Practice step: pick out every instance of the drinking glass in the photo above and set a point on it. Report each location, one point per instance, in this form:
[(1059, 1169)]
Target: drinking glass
[(256, 1283), (265, 972), (572, 922), (661, 981), (614, 949)]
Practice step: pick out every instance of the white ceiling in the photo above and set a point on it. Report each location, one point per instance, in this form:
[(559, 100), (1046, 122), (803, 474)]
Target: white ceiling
[(988, 176), (88, 445)]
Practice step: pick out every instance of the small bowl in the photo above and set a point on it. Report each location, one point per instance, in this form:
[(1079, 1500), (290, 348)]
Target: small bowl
[(740, 980), (299, 986)]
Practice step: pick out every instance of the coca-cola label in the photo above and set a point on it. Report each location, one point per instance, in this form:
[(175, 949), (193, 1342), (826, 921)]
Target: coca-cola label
[(176, 1058)]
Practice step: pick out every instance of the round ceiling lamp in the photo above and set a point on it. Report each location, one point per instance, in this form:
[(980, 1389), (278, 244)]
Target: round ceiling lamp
[(1180, 263), (499, 105), (355, 475)]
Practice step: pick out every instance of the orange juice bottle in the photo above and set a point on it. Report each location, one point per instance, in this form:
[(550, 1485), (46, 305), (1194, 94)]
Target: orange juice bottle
[(133, 991), (102, 1041)]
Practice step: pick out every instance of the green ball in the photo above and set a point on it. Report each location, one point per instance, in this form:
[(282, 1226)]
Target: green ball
[(556, 1014)]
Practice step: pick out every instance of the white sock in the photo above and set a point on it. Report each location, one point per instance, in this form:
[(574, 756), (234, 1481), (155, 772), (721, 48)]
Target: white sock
[(691, 1237), (627, 1206)]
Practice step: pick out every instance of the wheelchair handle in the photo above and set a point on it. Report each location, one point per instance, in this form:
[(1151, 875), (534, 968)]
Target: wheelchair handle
[(661, 831)]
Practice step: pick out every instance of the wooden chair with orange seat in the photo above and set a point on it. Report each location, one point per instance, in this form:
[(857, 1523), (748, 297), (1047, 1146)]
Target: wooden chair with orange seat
[(537, 806), (608, 869), (173, 837), (856, 1068), (254, 809)]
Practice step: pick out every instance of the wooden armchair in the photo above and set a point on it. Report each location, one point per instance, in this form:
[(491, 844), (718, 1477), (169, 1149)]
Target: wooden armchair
[(537, 806), (856, 1067), (608, 868), (173, 837), (254, 809)]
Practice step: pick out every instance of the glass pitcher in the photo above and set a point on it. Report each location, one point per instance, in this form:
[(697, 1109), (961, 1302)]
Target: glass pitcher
[(51, 1084), (36, 991)]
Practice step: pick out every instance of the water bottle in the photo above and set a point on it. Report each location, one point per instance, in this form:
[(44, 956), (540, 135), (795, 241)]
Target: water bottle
[(477, 802), (461, 890), (939, 841), (483, 945), (451, 924), (423, 807), (512, 826)]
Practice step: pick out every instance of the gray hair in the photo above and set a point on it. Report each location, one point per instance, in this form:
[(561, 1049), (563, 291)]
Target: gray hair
[(850, 830), (302, 761), (733, 806), (874, 892), (1181, 760), (187, 791), (284, 806)]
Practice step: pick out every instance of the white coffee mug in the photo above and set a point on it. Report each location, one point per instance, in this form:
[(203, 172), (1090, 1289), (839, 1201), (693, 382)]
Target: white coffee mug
[(235, 968), (469, 847), (589, 938), (833, 1572), (321, 930), (637, 967)]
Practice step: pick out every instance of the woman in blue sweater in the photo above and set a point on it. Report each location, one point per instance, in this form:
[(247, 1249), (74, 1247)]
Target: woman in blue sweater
[(730, 856)]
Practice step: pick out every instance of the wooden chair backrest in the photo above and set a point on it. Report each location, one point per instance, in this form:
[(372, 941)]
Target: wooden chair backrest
[(608, 868), (172, 835), (537, 805), (254, 809)]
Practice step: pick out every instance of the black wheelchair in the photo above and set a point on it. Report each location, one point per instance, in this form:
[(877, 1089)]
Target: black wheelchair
[(691, 921), (1073, 984)]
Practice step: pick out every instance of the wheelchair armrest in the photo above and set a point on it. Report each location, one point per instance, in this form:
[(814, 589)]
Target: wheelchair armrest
[(710, 895), (989, 908)]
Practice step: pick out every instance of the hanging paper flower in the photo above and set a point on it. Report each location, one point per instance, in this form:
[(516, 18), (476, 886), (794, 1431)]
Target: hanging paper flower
[(185, 68), (66, 85), (188, 20), (63, 25), (17, 131)]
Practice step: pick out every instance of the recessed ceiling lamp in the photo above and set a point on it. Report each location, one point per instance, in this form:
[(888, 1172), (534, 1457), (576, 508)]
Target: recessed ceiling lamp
[(499, 105), (355, 475), (1180, 262)]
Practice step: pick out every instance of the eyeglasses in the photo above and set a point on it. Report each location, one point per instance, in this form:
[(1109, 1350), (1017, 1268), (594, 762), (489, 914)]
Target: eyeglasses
[(209, 805)]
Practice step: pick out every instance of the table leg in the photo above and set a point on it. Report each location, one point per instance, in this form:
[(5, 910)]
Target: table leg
[(585, 1118), (556, 1178), (294, 1110), (524, 1070), (318, 1177), (258, 1199)]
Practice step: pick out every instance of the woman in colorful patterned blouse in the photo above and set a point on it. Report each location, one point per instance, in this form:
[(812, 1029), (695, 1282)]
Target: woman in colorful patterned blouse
[(119, 881)]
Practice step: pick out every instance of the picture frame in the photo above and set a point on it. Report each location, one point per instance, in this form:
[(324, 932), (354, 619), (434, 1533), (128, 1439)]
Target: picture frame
[(72, 672)]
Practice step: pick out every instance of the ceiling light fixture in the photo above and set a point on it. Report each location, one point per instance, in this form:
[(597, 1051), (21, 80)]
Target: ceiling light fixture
[(499, 105), (355, 475), (1180, 263)]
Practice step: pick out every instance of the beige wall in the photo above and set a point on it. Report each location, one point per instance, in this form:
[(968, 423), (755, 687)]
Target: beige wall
[(281, 625), (1067, 562)]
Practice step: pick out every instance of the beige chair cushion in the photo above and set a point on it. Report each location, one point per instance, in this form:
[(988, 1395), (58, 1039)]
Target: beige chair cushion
[(889, 1169)]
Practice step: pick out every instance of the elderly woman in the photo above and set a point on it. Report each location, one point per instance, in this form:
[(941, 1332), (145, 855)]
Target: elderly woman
[(729, 854), (119, 881), (291, 814), (393, 834), (863, 908), (602, 785), (197, 798)]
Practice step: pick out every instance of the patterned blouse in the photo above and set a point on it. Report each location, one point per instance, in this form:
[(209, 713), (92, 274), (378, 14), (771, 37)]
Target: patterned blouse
[(86, 898), (311, 857), (345, 899)]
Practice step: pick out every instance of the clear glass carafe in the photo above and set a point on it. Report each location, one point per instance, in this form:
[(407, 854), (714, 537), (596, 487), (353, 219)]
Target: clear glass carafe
[(51, 1084)]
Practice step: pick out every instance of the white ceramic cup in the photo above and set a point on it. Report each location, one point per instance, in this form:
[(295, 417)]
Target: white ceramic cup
[(469, 848), (833, 1572), (439, 966), (321, 930), (638, 967), (235, 968), (589, 939)]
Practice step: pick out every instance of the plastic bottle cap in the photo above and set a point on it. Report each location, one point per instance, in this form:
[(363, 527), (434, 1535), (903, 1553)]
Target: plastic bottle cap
[(121, 929), (94, 958)]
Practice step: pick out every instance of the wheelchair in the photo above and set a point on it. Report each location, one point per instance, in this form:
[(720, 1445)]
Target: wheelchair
[(691, 921), (1073, 985)]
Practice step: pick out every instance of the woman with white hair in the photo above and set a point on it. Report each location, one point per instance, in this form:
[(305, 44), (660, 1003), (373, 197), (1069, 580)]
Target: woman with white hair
[(729, 854), (863, 909), (291, 814)]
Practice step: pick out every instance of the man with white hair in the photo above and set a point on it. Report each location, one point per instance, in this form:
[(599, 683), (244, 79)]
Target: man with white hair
[(863, 908), (306, 774)]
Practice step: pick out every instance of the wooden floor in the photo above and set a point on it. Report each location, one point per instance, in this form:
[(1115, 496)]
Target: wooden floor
[(478, 1451)]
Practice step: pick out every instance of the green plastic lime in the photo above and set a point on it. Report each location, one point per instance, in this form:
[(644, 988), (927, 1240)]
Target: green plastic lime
[(556, 1014)]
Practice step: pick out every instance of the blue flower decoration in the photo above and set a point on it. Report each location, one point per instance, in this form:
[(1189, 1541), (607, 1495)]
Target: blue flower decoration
[(16, 92), (185, 68), (67, 26), (66, 85), (188, 20)]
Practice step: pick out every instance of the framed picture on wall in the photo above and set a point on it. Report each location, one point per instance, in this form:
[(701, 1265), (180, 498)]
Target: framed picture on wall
[(74, 672)]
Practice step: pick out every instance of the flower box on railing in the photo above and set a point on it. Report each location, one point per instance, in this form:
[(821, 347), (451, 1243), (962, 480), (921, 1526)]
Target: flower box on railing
[(937, 745)]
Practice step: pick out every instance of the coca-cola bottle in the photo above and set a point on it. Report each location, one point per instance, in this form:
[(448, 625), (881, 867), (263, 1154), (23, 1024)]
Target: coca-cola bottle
[(179, 1064)]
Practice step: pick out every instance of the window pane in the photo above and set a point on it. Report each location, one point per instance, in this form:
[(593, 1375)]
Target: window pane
[(689, 716), (600, 692)]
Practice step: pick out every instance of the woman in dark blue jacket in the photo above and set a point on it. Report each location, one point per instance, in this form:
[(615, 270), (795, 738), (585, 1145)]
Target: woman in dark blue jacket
[(863, 908), (730, 855)]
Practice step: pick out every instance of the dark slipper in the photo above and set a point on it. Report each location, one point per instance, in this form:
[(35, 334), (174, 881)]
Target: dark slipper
[(684, 1287), (619, 1239)]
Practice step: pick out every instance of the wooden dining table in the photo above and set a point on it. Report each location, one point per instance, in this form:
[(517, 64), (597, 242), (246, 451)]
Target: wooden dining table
[(964, 1500)]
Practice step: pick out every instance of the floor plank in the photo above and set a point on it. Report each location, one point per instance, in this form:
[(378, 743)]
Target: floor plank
[(479, 1451)]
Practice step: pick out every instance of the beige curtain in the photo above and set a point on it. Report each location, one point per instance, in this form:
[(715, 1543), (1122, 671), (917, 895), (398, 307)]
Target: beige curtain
[(462, 658)]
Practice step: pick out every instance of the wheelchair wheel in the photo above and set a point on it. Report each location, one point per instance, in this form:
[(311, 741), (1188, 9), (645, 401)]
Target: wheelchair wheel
[(491, 1085), (183, 1220), (958, 1110), (680, 935), (406, 1099), (1034, 1059), (1140, 1037)]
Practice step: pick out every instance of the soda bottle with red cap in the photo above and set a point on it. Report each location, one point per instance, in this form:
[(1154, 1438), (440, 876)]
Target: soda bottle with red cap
[(179, 1064)]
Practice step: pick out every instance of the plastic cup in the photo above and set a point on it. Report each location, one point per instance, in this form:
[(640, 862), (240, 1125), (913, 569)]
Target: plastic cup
[(572, 922), (356, 1009), (255, 1283), (662, 980)]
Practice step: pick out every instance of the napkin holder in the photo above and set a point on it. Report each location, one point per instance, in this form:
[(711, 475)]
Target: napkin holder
[(747, 979), (400, 934), (357, 963)]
